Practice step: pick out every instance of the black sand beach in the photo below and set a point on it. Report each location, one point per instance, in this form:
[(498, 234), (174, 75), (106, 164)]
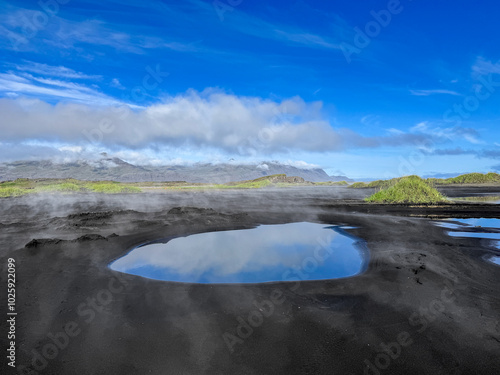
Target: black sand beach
[(427, 304)]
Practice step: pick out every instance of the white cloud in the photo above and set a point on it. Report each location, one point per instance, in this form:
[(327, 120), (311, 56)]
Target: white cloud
[(71, 35), (306, 39), (394, 131), (420, 127), (117, 84), (452, 133), (485, 67), (61, 90), (300, 164), (208, 121), (17, 33), (96, 32), (433, 92), (56, 83), (55, 71), (370, 120), (74, 149), (257, 27)]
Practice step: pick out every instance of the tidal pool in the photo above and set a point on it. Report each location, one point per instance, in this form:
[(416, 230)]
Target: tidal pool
[(481, 227), (285, 252), (476, 228)]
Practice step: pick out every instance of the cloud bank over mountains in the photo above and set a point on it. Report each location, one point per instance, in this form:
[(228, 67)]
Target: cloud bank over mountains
[(211, 119)]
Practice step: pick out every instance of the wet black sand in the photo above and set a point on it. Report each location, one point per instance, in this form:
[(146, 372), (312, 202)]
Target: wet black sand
[(427, 304)]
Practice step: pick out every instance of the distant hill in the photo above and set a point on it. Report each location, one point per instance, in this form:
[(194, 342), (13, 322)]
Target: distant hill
[(111, 168), (465, 179), (341, 178)]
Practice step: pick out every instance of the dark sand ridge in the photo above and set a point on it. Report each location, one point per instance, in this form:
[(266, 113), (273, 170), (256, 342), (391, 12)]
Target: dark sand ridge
[(432, 292)]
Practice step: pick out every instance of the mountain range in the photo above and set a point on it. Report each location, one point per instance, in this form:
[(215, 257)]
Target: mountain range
[(112, 168)]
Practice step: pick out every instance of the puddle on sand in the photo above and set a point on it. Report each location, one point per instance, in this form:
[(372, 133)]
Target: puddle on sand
[(285, 252), (461, 223), (495, 260), (476, 228)]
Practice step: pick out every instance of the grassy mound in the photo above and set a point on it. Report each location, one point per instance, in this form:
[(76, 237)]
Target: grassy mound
[(411, 189), (470, 178)]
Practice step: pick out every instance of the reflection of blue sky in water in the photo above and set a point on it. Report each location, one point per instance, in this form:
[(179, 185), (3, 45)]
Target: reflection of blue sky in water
[(487, 224), (490, 236), (473, 223), (266, 253), (481, 222)]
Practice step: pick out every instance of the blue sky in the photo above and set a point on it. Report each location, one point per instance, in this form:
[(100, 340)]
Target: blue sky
[(367, 88)]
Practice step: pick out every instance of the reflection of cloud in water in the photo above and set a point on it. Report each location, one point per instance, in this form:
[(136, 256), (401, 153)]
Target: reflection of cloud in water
[(232, 251), (266, 253)]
